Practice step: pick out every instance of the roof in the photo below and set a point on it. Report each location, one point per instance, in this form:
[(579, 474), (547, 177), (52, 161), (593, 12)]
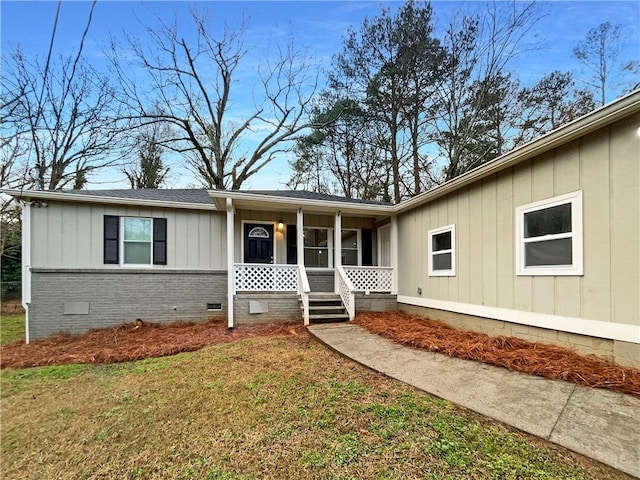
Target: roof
[(180, 195), (306, 195), (193, 199)]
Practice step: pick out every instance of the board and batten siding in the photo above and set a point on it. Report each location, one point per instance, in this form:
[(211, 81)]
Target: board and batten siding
[(605, 166), (70, 235)]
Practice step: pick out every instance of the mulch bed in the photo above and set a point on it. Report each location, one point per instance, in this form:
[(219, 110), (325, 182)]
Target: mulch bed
[(129, 342), (544, 360)]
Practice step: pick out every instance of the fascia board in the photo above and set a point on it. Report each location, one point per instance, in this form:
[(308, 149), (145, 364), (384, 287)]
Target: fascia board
[(70, 197), (295, 203)]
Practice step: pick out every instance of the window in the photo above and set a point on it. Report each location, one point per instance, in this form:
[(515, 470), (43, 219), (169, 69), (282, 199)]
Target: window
[(135, 240), (317, 246), (549, 236), (350, 247), (442, 258)]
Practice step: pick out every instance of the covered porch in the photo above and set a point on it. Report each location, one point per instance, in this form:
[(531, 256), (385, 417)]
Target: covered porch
[(329, 255)]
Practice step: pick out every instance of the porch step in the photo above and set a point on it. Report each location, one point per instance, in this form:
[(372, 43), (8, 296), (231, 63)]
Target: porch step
[(326, 308)]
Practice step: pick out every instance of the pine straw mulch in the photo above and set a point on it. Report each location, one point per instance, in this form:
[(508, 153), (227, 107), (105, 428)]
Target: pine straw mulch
[(129, 342), (544, 360)]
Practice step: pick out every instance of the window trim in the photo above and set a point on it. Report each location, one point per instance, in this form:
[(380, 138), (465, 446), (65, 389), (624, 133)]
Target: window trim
[(330, 249), (123, 243), (358, 248), (430, 234), (577, 261)]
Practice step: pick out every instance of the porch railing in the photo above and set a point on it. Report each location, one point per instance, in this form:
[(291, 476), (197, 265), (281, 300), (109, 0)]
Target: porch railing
[(346, 292), (265, 277), (304, 291), (370, 279)]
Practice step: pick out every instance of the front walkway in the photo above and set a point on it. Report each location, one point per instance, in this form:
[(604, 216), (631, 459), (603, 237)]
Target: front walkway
[(598, 423)]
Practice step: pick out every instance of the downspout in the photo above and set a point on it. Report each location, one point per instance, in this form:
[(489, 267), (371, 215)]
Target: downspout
[(26, 264), (230, 259), (394, 254), (337, 250)]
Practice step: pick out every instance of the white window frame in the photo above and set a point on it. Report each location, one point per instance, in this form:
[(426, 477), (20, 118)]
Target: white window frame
[(330, 248), (576, 235), (430, 234), (123, 242), (358, 245)]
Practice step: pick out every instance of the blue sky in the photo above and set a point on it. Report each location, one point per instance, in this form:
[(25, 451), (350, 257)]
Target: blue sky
[(319, 26)]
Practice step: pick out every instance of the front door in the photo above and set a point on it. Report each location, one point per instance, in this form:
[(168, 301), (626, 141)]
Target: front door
[(258, 243)]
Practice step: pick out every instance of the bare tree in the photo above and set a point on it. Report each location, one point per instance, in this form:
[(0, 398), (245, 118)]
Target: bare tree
[(549, 104), (61, 127), (480, 48), (599, 53), (191, 88)]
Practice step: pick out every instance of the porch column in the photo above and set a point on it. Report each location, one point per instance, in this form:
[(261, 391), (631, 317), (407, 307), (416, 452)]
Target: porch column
[(230, 260), (300, 238), (337, 249), (394, 254)]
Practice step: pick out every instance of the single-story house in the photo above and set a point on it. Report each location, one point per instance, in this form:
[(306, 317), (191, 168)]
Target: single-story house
[(541, 243)]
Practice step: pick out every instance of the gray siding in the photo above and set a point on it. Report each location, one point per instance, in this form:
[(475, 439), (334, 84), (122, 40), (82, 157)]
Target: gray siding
[(70, 235), (605, 165), (119, 296)]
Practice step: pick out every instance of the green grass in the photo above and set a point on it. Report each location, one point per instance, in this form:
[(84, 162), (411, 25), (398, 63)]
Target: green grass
[(259, 408), (11, 328)]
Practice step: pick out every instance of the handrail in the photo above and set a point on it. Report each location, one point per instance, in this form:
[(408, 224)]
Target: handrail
[(304, 289), (346, 292)]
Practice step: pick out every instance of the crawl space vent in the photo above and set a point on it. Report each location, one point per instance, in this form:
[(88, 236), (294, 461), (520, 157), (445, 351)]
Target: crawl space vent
[(214, 306)]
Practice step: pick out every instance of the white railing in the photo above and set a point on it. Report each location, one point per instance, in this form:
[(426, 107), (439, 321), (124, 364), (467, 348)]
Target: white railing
[(265, 277), (304, 291), (346, 292), (370, 279)]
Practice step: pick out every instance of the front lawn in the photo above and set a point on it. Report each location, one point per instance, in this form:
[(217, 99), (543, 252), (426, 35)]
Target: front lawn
[(264, 407), (11, 328)]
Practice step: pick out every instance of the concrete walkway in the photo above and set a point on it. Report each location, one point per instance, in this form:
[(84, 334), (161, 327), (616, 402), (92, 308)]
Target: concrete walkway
[(598, 423)]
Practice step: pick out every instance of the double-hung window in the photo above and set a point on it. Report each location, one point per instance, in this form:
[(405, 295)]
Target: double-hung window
[(549, 236), (135, 241), (350, 250), (318, 245), (442, 251)]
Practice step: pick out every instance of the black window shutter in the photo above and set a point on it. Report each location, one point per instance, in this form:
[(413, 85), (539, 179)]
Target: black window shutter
[(367, 247), (159, 241), (111, 239), (292, 245)]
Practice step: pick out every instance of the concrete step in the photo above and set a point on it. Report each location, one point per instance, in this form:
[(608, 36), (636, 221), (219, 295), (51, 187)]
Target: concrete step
[(329, 318)]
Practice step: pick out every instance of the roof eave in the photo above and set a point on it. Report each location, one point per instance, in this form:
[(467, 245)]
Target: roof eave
[(295, 203), (43, 195), (599, 118)]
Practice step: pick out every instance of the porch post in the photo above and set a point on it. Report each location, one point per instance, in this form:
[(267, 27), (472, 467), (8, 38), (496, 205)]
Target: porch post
[(394, 254), (300, 238), (337, 249), (230, 260)]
